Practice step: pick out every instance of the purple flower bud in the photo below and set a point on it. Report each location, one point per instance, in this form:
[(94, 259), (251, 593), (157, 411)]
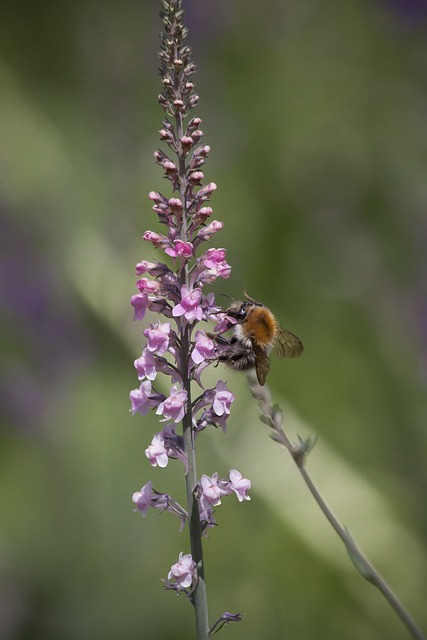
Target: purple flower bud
[(194, 123), (208, 232), (147, 286), (186, 141), (196, 177), (169, 166), (204, 212), (176, 205), (205, 192), (144, 266), (178, 103), (156, 239), (155, 269), (156, 197), (166, 135), (209, 418), (225, 619), (197, 135), (201, 151)]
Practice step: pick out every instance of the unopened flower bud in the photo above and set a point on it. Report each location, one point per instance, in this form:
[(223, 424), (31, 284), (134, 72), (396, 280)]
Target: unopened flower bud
[(196, 176), (165, 135), (155, 196), (169, 166), (206, 191), (196, 135), (186, 141), (175, 205)]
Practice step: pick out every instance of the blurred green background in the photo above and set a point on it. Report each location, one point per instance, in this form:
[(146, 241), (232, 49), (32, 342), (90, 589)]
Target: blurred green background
[(316, 114)]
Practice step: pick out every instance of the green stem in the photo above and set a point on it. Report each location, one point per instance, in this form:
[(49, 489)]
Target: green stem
[(273, 417), (199, 598), (361, 563)]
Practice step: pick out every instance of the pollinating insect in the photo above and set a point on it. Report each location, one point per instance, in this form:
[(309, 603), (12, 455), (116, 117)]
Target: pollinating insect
[(256, 333)]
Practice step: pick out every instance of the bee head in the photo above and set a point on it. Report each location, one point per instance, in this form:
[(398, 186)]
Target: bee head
[(238, 310)]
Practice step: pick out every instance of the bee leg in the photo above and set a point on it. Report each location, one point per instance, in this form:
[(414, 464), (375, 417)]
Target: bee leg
[(218, 339)]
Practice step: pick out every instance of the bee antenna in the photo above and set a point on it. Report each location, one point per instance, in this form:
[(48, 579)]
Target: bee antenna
[(248, 297), (224, 295)]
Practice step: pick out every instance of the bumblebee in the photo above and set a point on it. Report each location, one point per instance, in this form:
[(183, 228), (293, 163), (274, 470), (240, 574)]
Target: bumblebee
[(256, 333)]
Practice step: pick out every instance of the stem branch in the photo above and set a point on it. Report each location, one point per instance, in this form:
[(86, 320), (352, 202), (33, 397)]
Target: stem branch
[(274, 418)]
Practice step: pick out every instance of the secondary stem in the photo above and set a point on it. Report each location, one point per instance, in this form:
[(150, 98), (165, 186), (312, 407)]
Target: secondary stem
[(273, 417), (362, 564)]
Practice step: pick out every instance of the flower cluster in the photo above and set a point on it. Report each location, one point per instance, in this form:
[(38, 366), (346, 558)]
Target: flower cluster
[(172, 288)]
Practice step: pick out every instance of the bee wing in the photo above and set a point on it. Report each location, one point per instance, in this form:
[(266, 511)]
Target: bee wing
[(287, 345), (262, 364)]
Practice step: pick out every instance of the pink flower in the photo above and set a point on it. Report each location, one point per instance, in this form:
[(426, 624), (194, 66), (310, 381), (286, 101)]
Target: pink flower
[(142, 498), (156, 197), (146, 366), (222, 399), (202, 214), (184, 571), (156, 452), (156, 239), (142, 399), (216, 265), (175, 205), (189, 305), (204, 348), (205, 192), (174, 407), (210, 491), (140, 303), (239, 485), (158, 337), (147, 286), (144, 266), (153, 268), (180, 249), (208, 232), (224, 323), (196, 177)]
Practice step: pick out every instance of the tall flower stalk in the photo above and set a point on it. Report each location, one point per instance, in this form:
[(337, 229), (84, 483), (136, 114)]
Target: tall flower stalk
[(176, 346)]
